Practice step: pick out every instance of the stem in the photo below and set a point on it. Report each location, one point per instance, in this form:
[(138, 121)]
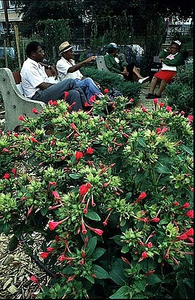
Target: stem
[(36, 259)]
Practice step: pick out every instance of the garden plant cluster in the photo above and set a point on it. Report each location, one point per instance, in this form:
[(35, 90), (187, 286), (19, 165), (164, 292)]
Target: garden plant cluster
[(110, 194)]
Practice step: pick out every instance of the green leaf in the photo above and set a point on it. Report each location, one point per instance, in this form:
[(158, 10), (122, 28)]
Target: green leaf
[(117, 239), (153, 279), (117, 273), (92, 215), (90, 278), (100, 272), (91, 246), (163, 170), (13, 243), (141, 142), (123, 222), (74, 176), (125, 249), (123, 293), (98, 253), (186, 149)]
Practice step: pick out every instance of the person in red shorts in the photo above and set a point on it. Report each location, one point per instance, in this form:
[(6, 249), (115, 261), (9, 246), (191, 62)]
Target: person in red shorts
[(171, 58)]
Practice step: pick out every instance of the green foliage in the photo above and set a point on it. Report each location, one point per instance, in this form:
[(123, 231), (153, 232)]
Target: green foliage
[(111, 197), (181, 91), (54, 32), (110, 80)]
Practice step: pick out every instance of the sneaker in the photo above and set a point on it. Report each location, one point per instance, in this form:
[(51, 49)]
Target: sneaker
[(150, 96), (145, 79), (156, 96)]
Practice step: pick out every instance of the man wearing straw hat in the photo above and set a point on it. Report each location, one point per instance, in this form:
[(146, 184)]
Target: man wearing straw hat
[(36, 84), (67, 68)]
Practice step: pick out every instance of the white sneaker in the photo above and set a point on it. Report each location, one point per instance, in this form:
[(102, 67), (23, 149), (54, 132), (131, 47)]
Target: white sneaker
[(144, 79)]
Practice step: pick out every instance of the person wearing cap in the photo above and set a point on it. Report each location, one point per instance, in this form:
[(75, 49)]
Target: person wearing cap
[(36, 85), (67, 68), (116, 64), (171, 58)]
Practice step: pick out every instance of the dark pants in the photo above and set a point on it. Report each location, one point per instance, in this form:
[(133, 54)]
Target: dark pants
[(131, 76), (56, 92)]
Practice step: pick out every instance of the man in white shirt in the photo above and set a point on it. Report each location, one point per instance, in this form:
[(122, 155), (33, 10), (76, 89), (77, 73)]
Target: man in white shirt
[(67, 68), (36, 85)]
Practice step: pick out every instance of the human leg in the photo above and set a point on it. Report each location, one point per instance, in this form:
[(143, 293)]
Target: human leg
[(56, 92), (153, 84), (89, 87), (161, 88)]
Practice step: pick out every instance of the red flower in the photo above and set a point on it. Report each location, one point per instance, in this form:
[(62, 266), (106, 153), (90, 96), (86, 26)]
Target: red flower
[(141, 197), (161, 104), (6, 176), (78, 155), (158, 130), (54, 225), (56, 195), (106, 91), (44, 255), (14, 171), (168, 108), (5, 150), (34, 140), (21, 118), (96, 230), (35, 111), (163, 130), (190, 118), (186, 205), (66, 95), (131, 100), (190, 214), (34, 279), (92, 99), (90, 150), (144, 109), (155, 220), (84, 189), (87, 104), (144, 255), (190, 232), (182, 237)]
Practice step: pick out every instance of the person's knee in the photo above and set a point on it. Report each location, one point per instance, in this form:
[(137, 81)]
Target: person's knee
[(70, 82)]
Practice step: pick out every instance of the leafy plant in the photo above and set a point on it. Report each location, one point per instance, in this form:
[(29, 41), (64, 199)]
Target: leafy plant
[(180, 92), (111, 196)]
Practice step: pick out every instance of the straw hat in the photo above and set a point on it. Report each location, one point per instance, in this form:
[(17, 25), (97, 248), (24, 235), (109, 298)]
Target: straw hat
[(64, 47)]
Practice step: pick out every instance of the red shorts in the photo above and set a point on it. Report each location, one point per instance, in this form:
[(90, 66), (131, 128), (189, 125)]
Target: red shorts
[(165, 75)]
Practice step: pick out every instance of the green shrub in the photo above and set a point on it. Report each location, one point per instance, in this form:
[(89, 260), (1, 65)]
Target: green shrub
[(181, 92), (111, 197), (110, 81)]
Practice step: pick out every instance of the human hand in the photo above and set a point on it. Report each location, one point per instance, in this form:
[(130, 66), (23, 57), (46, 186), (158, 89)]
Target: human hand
[(89, 59), (54, 71)]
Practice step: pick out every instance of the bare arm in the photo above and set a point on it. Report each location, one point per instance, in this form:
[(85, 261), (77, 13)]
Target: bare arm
[(44, 85), (82, 63)]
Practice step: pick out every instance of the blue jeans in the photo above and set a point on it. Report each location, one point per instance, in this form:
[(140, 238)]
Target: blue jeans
[(56, 92), (88, 86)]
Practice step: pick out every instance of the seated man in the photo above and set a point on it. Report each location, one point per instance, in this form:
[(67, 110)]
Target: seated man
[(116, 64), (171, 58), (36, 85), (67, 68)]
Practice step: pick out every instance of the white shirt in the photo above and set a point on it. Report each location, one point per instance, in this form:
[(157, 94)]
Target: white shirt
[(62, 67), (32, 74)]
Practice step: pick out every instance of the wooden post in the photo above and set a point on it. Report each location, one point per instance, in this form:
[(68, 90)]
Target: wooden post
[(5, 53), (17, 45)]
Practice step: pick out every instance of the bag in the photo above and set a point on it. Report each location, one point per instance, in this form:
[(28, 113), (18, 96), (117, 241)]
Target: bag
[(113, 93)]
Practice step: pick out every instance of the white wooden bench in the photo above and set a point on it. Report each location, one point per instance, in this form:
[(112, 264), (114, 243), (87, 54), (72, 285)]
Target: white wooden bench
[(15, 103), (102, 66)]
